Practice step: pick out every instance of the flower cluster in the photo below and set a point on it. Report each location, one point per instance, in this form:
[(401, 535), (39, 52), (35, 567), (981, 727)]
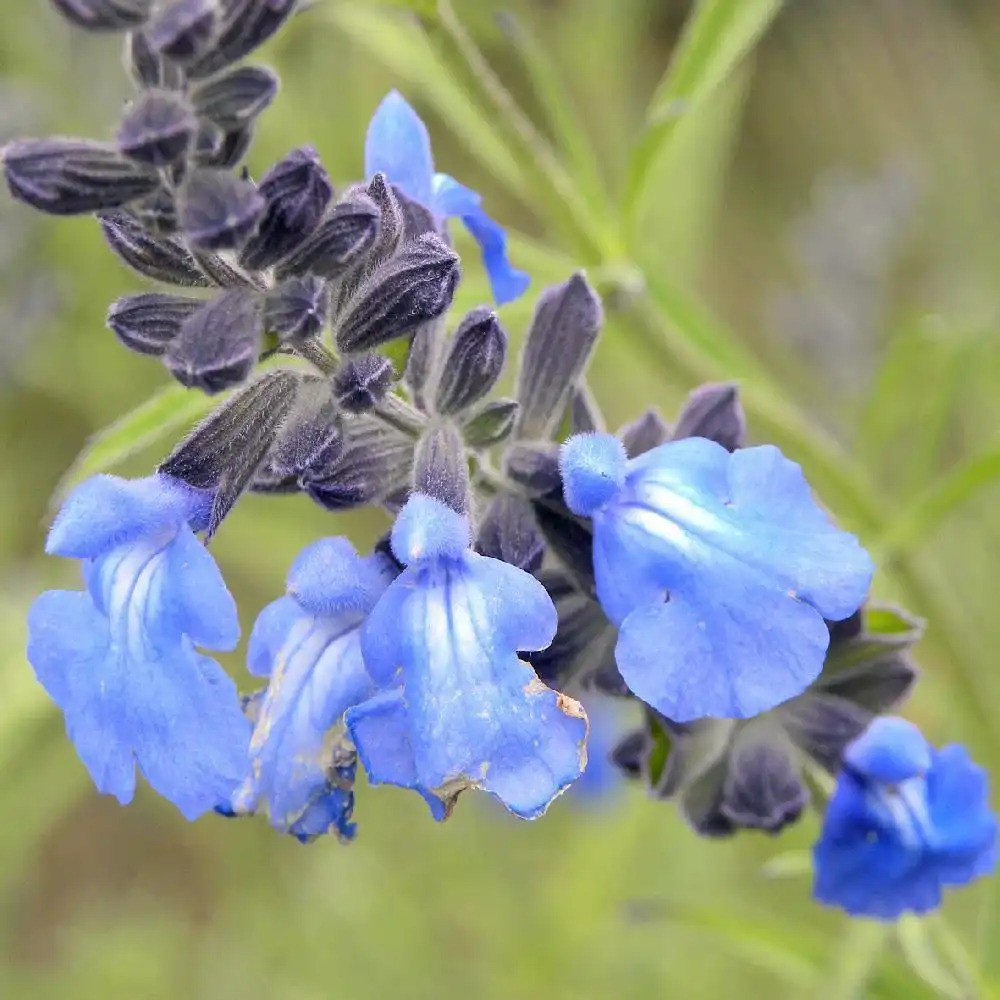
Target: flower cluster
[(535, 560)]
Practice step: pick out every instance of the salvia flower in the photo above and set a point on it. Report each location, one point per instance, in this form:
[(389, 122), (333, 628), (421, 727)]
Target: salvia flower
[(308, 646), (728, 775), (398, 146), (718, 569), (120, 658), (905, 822), (447, 632)]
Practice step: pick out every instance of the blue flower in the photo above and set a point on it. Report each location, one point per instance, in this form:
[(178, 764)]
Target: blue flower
[(120, 660), (465, 710), (308, 646), (906, 821), (398, 146), (601, 778), (717, 567)]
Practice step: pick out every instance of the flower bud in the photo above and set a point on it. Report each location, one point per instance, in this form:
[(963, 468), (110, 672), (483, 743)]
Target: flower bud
[(363, 383), (157, 129), (246, 24), (158, 257), (217, 346), (414, 286), (218, 210), (147, 323), (474, 363), (714, 412), (73, 176), (296, 309), (297, 191), (104, 15), (183, 30), (233, 100), (341, 238), (562, 335)]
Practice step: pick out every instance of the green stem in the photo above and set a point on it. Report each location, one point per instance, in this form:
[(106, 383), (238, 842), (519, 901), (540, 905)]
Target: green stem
[(854, 961), (539, 157)]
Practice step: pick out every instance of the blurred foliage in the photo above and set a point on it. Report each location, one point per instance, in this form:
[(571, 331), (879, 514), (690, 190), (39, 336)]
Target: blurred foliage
[(809, 204)]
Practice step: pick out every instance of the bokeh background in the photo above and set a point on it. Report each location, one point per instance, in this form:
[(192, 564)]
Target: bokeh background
[(824, 227)]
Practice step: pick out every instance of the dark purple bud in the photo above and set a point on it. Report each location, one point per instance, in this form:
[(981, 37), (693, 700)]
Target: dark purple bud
[(310, 435), (535, 466), (491, 425), (392, 222), (375, 463), (406, 291), (441, 469), (183, 30), (823, 724), (629, 754), (158, 128), (474, 363), (571, 541), (361, 384), (157, 213), (246, 24), (297, 191), (417, 219), (509, 531), (147, 67), (341, 238), (763, 789), (157, 257), (217, 346), (563, 333), (73, 176), (104, 15), (147, 323), (714, 412), (584, 414), (233, 100), (423, 360), (296, 309), (219, 211), (215, 148), (648, 431), (224, 452)]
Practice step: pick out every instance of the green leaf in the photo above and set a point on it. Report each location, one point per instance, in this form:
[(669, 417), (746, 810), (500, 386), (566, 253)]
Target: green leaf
[(716, 38), (923, 958), (922, 516), (171, 410)]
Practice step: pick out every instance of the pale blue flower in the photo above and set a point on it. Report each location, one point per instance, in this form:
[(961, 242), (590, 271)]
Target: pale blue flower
[(397, 145), (308, 646), (466, 712), (906, 821), (718, 568), (120, 659)]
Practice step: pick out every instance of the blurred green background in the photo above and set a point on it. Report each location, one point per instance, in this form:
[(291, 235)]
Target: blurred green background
[(815, 213)]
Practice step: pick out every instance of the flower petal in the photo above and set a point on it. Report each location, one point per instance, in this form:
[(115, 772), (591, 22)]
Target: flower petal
[(477, 714), (750, 564), (699, 656), (200, 605), (965, 830), (454, 200), (329, 577), (380, 730), (397, 145), (269, 634), (891, 750), (106, 511), (317, 675)]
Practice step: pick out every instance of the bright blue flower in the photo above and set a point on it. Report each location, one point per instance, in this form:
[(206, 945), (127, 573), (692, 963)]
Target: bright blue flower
[(717, 567), (398, 146), (120, 658), (905, 822), (467, 711), (308, 646)]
